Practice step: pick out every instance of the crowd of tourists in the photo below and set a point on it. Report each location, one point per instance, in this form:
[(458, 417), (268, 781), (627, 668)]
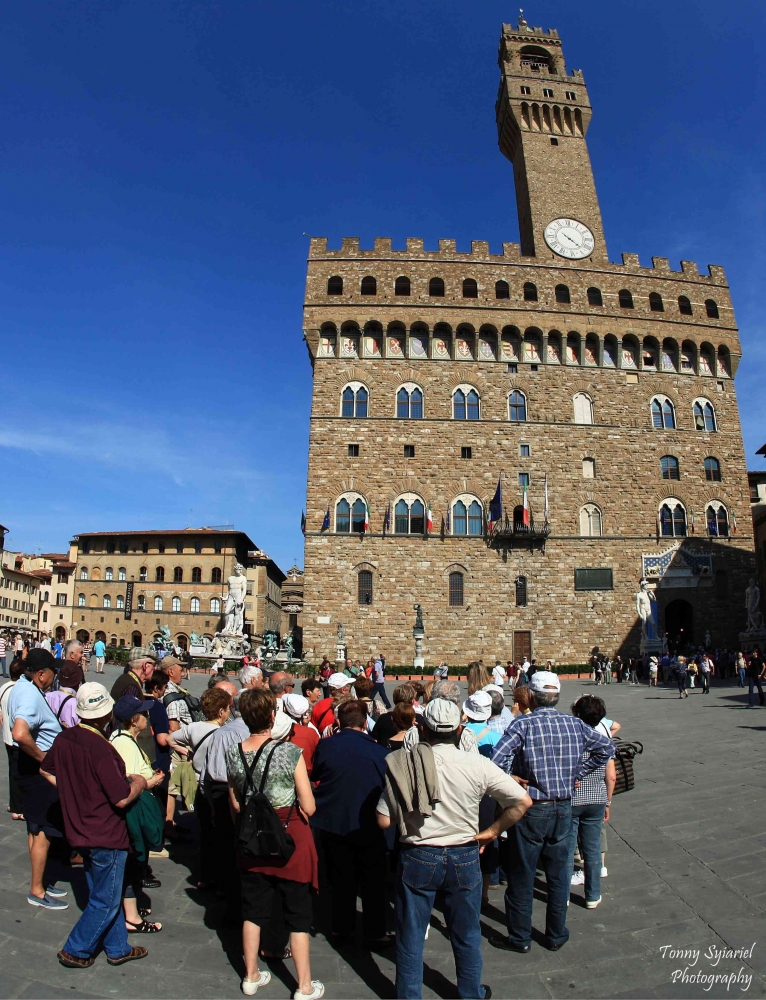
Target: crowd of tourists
[(310, 787)]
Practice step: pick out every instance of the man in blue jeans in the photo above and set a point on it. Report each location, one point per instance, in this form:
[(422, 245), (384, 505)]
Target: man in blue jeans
[(93, 790), (433, 793), (545, 750), (378, 681)]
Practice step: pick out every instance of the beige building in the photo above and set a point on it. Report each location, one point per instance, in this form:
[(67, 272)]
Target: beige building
[(601, 395), (264, 589), (19, 595), (292, 607), (128, 584), (55, 570)]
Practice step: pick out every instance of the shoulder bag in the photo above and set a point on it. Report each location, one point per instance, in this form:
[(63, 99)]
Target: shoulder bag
[(623, 762)]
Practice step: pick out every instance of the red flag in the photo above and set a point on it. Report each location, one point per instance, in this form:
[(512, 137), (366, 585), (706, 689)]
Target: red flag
[(525, 510)]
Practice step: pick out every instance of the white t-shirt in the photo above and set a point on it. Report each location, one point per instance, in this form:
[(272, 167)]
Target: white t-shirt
[(5, 691), (498, 675), (463, 779)]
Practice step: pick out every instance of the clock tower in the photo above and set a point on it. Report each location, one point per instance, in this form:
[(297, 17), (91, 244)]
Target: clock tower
[(543, 114)]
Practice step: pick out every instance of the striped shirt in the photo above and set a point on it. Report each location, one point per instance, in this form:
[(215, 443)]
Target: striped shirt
[(547, 749)]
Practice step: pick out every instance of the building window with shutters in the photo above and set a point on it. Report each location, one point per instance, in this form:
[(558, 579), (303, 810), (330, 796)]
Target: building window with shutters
[(364, 587), (456, 590)]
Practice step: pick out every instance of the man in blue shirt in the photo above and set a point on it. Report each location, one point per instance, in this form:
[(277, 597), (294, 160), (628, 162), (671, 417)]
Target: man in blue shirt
[(544, 751), (58, 649), (34, 727), (99, 651)]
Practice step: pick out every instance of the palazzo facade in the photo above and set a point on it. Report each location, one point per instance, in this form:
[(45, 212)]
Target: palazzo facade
[(598, 395)]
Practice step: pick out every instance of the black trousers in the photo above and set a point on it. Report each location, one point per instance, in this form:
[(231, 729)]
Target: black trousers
[(224, 835), (14, 792), (356, 868)]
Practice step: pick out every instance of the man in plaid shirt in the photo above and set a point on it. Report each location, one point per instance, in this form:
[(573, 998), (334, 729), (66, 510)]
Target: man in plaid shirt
[(544, 752)]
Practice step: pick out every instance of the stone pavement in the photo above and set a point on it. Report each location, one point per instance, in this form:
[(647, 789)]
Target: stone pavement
[(687, 870)]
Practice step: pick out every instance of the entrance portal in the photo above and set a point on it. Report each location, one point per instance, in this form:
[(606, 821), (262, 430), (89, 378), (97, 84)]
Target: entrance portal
[(522, 646), (679, 623)]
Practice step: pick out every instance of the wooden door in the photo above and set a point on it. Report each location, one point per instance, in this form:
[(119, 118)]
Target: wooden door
[(522, 646)]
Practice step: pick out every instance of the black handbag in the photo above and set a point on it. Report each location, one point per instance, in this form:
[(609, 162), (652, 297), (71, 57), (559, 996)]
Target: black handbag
[(623, 763), (261, 833)]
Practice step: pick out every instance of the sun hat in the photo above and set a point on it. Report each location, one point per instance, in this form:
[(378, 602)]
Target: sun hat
[(545, 681), (478, 706), (441, 716), (295, 705), (70, 674), (493, 687), (282, 725), (94, 701), (338, 680)]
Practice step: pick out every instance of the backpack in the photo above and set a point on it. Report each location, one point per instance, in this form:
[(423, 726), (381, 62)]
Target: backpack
[(623, 762), (261, 833), (192, 703)]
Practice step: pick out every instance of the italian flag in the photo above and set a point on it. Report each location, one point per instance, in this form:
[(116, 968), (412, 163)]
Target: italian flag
[(734, 522), (429, 518), (366, 516), (525, 511)]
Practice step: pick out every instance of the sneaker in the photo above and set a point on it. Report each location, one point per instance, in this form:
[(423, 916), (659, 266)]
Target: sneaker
[(47, 902), (250, 986), (55, 892), (316, 992), (591, 904), (604, 871), (578, 878)]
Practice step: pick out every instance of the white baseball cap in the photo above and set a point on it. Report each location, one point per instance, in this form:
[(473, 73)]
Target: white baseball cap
[(545, 681), (442, 716), (93, 701), (295, 705), (478, 706), (338, 680)]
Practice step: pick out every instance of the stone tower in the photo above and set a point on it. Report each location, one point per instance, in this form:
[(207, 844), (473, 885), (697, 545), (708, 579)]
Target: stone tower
[(599, 396)]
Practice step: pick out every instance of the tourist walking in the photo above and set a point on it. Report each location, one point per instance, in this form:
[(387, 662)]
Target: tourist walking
[(679, 670), (741, 670), (706, 670), (378, 682), (93, 788), (545, 750), (99, 651), (279, 771), (437, 818), (756, 673)]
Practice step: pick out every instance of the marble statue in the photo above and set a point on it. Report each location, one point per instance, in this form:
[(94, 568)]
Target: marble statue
[(418, 617), (235, 602), (341, 637), (753, 605), (646, 612)]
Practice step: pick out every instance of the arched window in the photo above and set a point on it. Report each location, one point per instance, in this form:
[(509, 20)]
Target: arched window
[(663, 414), (673, 519), (196, 574), (502, 290), (717, 519), (625, 299), (684, 306), (595, 297), (669, 467), (521, 591), (120, 601), (108, 573), (562, 294), (530, 291), (711, 309), (590, 521), (178, 575), (583, 408), (215, 606), (364, 587), (215, 575), (142, 602), (456, 589), (402, 285), (350, 515), (409, 516), (470, 289), (436, 288), (176, 604), (194, 605), (142, 574), (369, 286), (107, 601), (159, 574), (655, 302), (467, 517), (517, 406), (704, 416), (465, 404), (96, 573), (409, 402), (121, 574), (81, 600), (354, 400), (712, 470), (158, 604), (335, 285), (84, 573)]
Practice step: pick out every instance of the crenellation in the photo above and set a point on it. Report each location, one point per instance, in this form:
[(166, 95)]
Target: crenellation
[(512, 250), (630, 260), (384, 244), (480, 248), (415, 245), (447, 246), (689, 267), (349, 244), (661, 264)]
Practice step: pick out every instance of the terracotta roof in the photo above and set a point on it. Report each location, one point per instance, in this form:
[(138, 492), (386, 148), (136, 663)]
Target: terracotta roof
[(43, 574), (55, 556)]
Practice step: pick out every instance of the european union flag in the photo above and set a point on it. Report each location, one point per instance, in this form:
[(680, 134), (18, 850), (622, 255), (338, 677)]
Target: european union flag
[(326, 521), (387, 519), (496, 506), (303, 522)]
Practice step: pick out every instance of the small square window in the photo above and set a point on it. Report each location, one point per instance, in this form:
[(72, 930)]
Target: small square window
[(353, 451), (526, 90), (523, 479), (512, 368), (547, 92), (533, 368), (554, 141), (466, 453), (570, 95), (409, 451), (524, 450)]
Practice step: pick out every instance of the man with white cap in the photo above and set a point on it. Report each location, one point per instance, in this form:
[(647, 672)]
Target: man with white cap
[(93, 790), (323, 713), (296, 708), (544, 750), (477, 708), (433, 793)]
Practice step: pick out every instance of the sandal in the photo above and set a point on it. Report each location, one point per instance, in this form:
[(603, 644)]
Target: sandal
[(277, 956), (145, 927), (144, 912)]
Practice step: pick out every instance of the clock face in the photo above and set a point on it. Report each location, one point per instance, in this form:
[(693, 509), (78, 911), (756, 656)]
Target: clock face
[(569, 238)]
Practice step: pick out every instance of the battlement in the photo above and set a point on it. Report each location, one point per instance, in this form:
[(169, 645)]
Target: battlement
[(524, 33), (480, 252)]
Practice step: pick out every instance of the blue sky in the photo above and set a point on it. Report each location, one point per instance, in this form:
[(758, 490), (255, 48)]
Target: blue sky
[(160, 163)]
